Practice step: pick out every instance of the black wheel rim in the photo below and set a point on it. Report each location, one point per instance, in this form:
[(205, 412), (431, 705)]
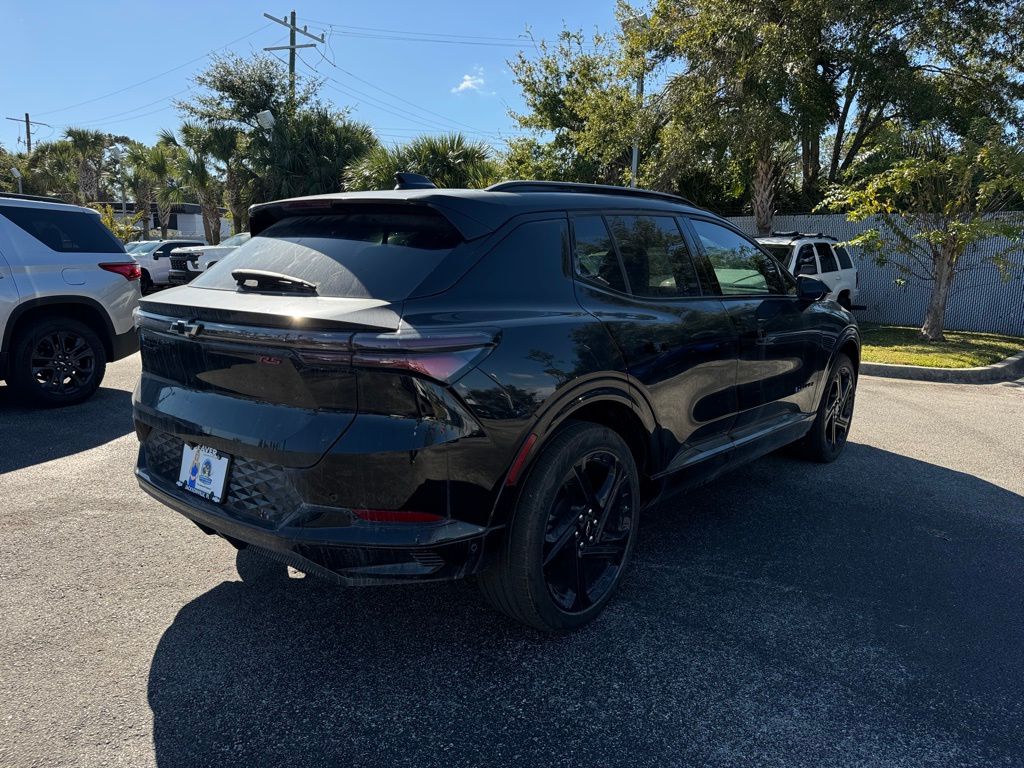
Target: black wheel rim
[(839, 408), (63, 363), (588, 532)]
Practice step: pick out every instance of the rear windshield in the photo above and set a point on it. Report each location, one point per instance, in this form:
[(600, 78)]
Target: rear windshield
[(780, 252), (379, 254), (64, 231)]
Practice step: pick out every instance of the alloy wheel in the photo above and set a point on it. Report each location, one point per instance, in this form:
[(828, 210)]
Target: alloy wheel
[(839, 407), (588, 532), (63, 363)]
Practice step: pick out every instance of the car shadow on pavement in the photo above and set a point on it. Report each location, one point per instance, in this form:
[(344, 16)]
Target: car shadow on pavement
[(863, 612), (34, 435)]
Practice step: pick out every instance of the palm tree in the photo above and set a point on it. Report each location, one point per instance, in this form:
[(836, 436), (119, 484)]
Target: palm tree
[(449, 161), (192, 162), (226, 146), (141, 181), (88, 147), (53, 168), (159, 164)]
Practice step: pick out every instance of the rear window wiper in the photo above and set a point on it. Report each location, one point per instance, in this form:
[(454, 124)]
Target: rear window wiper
[(262, 280)]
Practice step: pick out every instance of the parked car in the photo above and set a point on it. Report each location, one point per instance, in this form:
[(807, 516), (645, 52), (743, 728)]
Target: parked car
[(154, 257), (67, 293), (818, 256), (426, 384), (189, 261)]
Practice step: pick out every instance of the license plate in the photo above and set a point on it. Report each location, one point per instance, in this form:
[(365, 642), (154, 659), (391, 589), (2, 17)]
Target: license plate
[(204, 471)]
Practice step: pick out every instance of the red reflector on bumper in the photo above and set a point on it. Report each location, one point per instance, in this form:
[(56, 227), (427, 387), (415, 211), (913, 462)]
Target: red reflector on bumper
[(395, 516)]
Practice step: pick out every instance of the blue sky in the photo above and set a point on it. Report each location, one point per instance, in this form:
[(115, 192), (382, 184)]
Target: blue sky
[(62, 60)]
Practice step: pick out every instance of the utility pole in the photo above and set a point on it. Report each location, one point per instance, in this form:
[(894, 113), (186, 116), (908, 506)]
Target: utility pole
[(28, 129), (289, 21)]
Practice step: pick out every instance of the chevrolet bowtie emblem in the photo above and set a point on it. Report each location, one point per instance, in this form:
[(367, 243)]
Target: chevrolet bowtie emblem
[(186, 329)]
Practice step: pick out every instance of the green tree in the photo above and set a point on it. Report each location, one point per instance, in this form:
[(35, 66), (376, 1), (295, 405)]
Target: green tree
[(946, 194), (449, 161), (88, 147), (190, 157)]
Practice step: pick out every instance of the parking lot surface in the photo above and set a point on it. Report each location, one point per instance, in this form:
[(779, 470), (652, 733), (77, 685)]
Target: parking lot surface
[(868, 612)]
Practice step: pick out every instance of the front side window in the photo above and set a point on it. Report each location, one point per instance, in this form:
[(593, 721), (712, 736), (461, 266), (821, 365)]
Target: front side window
[(806, 264), (825, 255), (595, 255), (63, 231), (741, 267), (654, 256)]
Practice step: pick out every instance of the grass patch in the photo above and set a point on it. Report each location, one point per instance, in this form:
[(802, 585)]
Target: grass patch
[(961, 349)]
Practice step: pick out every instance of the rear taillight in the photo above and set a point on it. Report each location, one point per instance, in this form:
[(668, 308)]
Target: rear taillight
[(129, 271), (441, 356), (395, 516), (858, 278)]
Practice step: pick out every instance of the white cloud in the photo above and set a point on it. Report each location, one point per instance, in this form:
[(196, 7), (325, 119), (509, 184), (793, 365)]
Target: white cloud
[(471, 82)]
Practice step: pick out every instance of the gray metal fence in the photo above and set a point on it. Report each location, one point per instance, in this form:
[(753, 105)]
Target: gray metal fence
[(978, 301)]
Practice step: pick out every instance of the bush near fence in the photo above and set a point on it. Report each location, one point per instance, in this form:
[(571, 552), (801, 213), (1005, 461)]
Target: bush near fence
[(979, 300)]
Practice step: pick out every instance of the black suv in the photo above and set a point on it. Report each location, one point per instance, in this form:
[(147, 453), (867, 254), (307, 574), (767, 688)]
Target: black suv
[(427, 384)]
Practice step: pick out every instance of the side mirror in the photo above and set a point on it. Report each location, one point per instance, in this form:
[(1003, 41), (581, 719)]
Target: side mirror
[(810, 290)]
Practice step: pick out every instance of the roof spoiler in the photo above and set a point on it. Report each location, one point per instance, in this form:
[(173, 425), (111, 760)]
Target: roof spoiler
[(413, 181)]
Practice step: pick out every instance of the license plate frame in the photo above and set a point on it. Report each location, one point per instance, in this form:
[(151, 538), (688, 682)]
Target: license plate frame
[(204, 471)]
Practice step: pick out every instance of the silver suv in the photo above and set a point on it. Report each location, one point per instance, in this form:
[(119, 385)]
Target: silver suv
[(67, 293)]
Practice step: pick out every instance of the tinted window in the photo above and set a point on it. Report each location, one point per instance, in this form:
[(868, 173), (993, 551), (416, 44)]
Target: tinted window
[(825, 256), (595, 254), (806, 264), (381, 254), (844, 257), (740, 266), (654, 256), (64, 231), (241, 237), (780, 252)]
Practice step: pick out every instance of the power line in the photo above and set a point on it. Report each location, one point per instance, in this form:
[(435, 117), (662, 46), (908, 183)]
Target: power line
[(154, 77)]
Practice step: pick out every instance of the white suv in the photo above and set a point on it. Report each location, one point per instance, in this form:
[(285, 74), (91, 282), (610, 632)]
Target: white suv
[(818, 256), (67, 293), (154, 257)]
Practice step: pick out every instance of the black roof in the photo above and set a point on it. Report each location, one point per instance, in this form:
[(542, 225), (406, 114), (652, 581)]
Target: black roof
[(477, 212)]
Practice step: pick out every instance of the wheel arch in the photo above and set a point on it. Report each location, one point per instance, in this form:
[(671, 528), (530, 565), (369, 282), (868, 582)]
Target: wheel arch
[(81, 308)]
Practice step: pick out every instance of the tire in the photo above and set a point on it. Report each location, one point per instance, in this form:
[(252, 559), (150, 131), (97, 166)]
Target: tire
[(831, 428), (561, 532), (844, 300), (146, 283), (57, 362)]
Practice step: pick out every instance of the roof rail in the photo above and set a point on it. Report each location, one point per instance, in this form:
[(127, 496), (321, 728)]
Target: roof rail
[(794, 233), (594, 189), (40, 198)]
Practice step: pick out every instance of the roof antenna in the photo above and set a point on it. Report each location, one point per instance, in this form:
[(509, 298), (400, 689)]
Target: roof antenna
[(413, 181)]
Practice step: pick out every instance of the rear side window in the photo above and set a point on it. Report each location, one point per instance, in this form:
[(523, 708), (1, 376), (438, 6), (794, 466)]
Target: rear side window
[(595, 255), (654, 256), (844, 257), (826, 257), (63, 231), (741, 267), (380, 254)]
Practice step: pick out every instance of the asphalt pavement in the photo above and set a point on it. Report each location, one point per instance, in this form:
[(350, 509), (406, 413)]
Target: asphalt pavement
[(865, 613)]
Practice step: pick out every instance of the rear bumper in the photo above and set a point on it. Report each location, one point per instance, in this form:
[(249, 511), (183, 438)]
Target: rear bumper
[(347, 551)]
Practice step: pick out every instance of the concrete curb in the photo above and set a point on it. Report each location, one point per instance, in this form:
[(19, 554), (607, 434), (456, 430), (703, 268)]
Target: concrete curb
[(1005, 370)]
